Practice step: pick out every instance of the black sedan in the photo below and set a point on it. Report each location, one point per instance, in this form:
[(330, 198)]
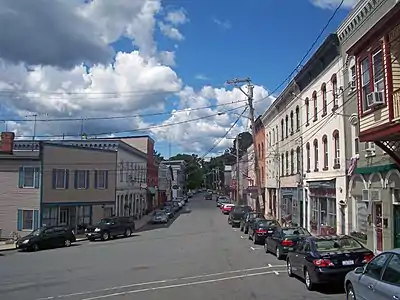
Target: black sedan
[(326, 259), (283, 240), (237, 214), (249, 219), (262, 228)]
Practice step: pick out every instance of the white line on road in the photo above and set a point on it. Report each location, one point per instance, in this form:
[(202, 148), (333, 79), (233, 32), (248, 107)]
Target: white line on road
[(269, 265), (158, 282), (179, 285), (242, 237), (276, 272), (256, 248)]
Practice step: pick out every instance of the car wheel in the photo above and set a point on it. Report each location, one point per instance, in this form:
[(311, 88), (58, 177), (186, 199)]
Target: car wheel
[(307, 280), (278, 253), (35, 247), (350, 295), (67, 243), (127, 232), (289, 268), (246, 230), (105, 236)]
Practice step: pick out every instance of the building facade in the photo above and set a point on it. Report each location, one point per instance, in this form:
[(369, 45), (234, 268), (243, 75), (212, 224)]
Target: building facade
[(131, 174), (370, 38), (55, 184), (259, 140), (283, 159), (165, 182), (249, 182), (178, 177)]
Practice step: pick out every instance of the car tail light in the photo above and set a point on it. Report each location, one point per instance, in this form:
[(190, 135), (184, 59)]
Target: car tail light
[(322, 263), (261, 231), (368, 257), (287, 243)]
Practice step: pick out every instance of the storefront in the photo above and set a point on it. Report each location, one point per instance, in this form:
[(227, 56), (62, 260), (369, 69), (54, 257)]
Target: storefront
[(322, 208), (374, 196), (291, 199)]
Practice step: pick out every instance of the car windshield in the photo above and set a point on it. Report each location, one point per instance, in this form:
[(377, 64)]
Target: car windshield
[(159, 214), (255, 215), (240, 209), (38, 231), (295, 231), (266, 223), (335, 244), (105, 221)]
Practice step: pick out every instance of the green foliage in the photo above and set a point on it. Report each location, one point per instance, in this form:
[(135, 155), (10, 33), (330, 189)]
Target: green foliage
[(194, 169)]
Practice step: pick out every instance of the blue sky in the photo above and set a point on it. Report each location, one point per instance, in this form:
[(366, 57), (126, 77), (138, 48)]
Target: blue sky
[(151, 70)]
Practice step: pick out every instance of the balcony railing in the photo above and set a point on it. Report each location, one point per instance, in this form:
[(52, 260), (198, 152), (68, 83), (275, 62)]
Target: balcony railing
[(396, 104)]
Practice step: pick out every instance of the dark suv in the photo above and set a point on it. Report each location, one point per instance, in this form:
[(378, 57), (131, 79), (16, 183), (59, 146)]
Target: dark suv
[(111, 227)]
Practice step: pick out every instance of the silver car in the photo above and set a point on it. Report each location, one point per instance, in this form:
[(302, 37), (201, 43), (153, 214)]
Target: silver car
[(378, 280), (160, 217)]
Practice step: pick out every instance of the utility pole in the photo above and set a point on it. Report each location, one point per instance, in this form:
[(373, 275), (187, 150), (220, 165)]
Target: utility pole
[(237, 171), (249, 95)]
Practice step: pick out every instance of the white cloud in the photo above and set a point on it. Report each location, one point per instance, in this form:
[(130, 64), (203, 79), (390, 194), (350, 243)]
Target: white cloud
[(224, 24), (170, 31), (137, 82), (172, 20), (333, 4), (201, 77)]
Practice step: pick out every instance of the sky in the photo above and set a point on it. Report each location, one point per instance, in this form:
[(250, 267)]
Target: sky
[(156, 67)]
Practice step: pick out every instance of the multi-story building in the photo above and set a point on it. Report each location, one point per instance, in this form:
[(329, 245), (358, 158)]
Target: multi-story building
[(283, 159), (52, 184), (178, 177), (131, 173), (227, 179), (324, 158), (165, 182), (248, 173), (370, 38), (259, 139)]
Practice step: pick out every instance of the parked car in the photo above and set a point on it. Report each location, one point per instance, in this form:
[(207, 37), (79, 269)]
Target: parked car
[(236, 215), (248, 219), (208, 196), (223, 200), (110, 228), (169, 211), (326, 259), (379, 279), (190, 194), (262, 228), (284, 239), (159, 216), (227, 208), (47, 237)]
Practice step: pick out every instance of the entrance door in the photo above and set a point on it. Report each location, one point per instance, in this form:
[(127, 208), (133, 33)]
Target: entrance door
[(396, 225), (64, 216), (377, 218)]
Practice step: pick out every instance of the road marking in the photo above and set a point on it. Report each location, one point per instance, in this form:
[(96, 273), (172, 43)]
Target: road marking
[(158, 282), (269, 265), (179, 285), (242, 237), (234, 230), (257, 248), (276, 272)]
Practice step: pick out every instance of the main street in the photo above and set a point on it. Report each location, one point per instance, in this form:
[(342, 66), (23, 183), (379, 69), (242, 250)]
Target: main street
[(199, 256)]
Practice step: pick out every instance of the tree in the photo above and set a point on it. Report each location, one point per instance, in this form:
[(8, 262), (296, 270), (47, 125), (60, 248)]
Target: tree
[(194, 169), (157, 156), (245, 141)]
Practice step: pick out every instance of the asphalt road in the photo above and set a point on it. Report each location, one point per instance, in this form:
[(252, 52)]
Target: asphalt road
[(198, 256)]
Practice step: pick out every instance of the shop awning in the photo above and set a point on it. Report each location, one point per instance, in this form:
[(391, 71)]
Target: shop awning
[(375, 169), (152, 190)]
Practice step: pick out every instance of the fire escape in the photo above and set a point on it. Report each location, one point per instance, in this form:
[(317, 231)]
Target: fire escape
[(391, 147)]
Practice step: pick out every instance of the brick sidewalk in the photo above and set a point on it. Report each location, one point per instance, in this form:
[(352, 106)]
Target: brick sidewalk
[(138, 224)]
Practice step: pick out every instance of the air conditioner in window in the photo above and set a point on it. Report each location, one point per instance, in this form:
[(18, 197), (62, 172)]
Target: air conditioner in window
[(369, 152), (375, 98)]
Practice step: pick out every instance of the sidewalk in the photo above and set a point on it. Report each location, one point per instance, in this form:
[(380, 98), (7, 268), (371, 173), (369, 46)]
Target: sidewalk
[(4, 246)]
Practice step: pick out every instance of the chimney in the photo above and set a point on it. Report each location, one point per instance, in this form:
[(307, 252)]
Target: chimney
[(7, 142)]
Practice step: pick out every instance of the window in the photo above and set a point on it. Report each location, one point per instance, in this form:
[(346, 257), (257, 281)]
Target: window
[(60, 178), (287, 163), (262, 152), (259, 150), (325, 149), (282, 130), (315, 101), (101, 179), (287, 126), (273, 136), (378, 72), (375, 266), (282, 164), (292, 161), (291, 122), (324, 100), (298, 160), (27, 219), (277, 133), (356, 145), (336, 145), (50, 216), (307, 111), (262, 173), (353, 77), (297, 118), (308, 156), (81, 179), (392, 271), (369, 146), (334, 91), (365, 83), (121, 171), (315, 155), (28, 177)]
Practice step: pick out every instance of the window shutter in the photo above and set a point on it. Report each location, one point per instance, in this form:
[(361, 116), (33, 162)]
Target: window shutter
[(87, 179), (37, 178), (106, 179), (36, 219), (20, 220), (21, 177), (75, 179), (66, 179), (54, 178), (95, 179)]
